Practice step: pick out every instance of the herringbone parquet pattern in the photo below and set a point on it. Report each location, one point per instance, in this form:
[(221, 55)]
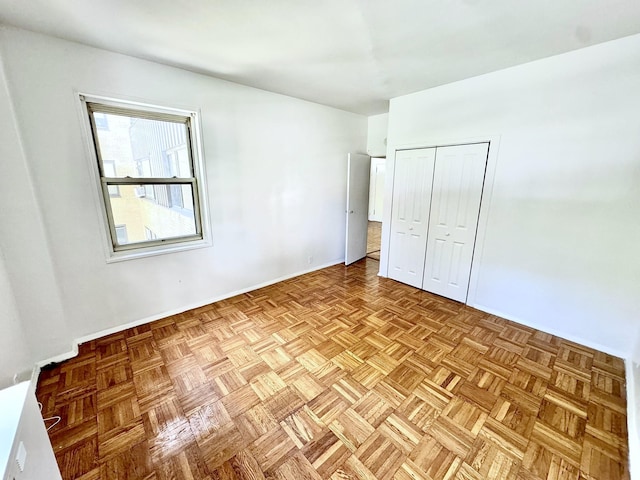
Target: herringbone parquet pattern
[(338, 375)]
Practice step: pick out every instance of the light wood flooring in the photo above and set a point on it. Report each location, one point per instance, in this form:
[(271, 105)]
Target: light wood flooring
[(338, 374), (374, 239)]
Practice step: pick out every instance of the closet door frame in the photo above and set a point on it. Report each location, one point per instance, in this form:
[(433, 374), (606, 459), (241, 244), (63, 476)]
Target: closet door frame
[(485, 203)]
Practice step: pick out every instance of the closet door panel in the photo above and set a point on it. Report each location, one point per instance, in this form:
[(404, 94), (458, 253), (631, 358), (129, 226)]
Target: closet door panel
[(412, 181), (457, 192)]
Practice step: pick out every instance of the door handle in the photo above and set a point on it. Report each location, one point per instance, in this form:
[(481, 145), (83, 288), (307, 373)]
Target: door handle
[(410, 228), (447, 234), (350, 211)]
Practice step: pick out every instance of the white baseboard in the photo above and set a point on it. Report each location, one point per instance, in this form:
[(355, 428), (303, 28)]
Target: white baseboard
[(136, 323), (555, 331), (632, 422)]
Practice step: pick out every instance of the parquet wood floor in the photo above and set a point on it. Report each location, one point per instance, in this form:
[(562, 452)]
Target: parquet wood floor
[(338, 374), (374, 238)]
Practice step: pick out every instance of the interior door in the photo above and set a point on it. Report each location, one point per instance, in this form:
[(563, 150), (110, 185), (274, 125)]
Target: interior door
[(358, 167), (412, 179), (376, 189), (455, 205)]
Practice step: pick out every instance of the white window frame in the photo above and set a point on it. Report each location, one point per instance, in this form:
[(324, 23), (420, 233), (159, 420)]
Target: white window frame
[(116, 252)]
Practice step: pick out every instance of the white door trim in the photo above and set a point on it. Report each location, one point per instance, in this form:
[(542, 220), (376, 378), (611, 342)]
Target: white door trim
[(485, 203)]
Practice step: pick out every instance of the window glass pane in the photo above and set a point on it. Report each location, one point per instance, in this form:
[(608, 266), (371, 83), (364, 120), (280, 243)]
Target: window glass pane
[(121, 234), (149, 234), (168, 214), (101, 121), (110, 171), (142, 147)]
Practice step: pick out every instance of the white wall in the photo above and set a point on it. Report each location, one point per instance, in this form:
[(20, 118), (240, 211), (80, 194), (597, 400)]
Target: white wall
[(15, 355), (561, 244), (32, 322), (377, 135), (276, 172)]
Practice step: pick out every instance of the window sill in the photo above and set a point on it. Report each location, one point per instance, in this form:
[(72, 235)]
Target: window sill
[(144, 252)]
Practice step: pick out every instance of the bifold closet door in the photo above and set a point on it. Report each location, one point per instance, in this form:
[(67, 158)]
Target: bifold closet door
[(455, 206), (412, 179)]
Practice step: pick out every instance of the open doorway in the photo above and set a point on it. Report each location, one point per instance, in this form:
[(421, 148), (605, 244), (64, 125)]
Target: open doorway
[(374, 234), (376, 198)]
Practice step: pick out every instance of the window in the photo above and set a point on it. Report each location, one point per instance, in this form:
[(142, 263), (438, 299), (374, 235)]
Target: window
[(101, 121), (121, 234), (110, 171), (148, 169), (148, 233)]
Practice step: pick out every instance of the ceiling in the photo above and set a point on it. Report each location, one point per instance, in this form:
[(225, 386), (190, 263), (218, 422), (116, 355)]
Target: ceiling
[(350, 54)]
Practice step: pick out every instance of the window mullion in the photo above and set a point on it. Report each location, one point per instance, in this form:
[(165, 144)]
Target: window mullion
[(148, 180)]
